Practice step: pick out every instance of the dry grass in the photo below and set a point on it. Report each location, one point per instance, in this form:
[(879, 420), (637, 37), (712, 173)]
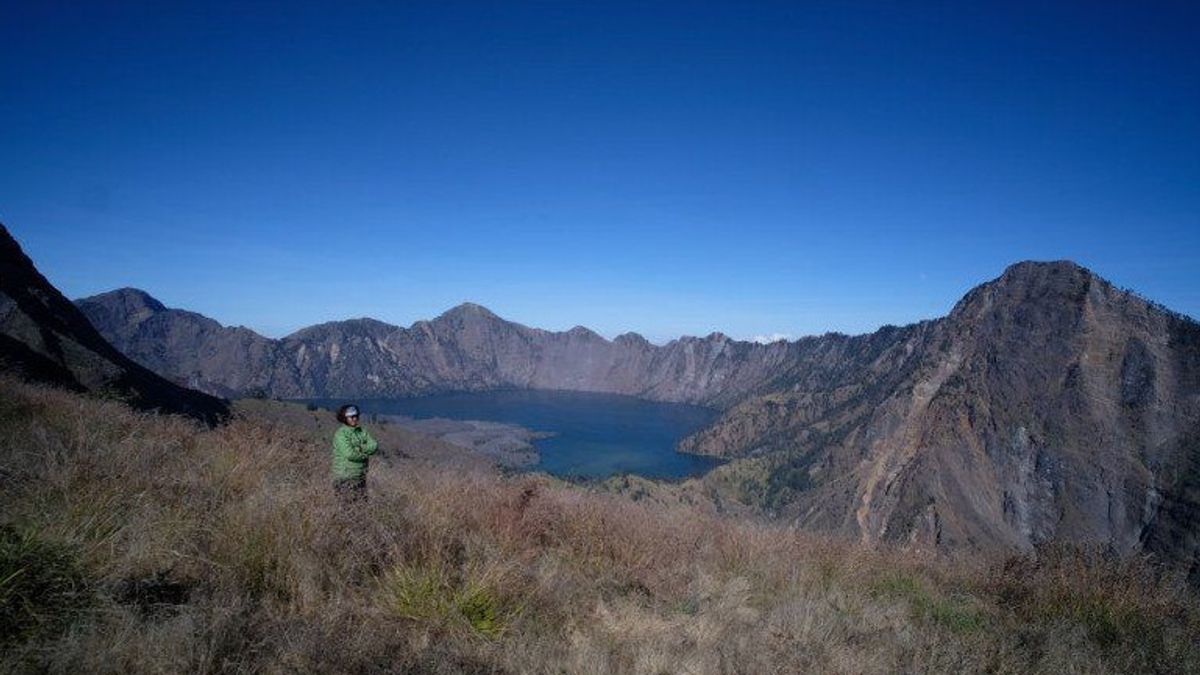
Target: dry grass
[(133, 543)]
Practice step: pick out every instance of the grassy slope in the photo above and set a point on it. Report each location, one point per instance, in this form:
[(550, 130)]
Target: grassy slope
[(133, 543)]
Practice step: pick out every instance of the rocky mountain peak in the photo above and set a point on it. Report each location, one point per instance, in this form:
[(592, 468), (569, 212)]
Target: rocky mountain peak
[(1035, 269), (1059, 286), (132, 297), (583, 332), (468, 311), (130, 302), (360, 327), (631, 338)]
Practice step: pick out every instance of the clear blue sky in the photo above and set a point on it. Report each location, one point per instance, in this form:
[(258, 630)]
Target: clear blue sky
[(669, 168)]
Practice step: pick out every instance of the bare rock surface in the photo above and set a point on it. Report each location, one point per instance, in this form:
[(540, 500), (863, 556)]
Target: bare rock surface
[(1048, 406)]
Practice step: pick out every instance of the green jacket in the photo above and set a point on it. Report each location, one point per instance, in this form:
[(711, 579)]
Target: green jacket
[(351, 448)]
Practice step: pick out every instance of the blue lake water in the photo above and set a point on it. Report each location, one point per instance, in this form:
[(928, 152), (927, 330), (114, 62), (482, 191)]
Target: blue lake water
[(596, 435)]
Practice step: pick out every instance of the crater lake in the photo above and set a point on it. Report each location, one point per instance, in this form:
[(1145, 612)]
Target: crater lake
[(593, 435)]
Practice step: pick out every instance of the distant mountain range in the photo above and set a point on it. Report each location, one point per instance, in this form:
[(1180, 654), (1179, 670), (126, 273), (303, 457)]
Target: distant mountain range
[(468, 348), (44, 337)]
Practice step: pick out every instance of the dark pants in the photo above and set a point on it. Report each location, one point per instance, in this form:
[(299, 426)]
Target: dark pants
[(350, 490)]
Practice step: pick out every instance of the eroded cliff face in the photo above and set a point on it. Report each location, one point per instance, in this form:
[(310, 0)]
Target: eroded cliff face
[(1048, 406)]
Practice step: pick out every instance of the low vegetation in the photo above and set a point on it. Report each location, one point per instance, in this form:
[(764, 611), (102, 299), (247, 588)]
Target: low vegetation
[(136, 543)]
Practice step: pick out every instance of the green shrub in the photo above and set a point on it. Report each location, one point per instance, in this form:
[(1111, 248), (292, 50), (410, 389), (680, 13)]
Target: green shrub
[(482, 609), (956, 613), (419, 593), (430, 594)]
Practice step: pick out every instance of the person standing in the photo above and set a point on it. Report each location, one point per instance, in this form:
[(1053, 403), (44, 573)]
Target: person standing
[(352, 445)]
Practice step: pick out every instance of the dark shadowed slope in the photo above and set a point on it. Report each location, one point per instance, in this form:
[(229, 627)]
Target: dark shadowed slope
[(45, 337)]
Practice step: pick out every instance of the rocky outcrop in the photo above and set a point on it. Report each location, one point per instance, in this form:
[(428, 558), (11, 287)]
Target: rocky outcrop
[(1048, 406), (44, 337)]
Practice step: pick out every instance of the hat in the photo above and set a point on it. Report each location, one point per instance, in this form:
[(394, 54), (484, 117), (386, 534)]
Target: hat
[(352, 411)]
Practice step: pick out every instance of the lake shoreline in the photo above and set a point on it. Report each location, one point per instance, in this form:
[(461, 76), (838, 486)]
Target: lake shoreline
[(509, 445)]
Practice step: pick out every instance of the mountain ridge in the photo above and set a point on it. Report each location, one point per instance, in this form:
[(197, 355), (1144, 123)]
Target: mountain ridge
[(278, 365), (145, 343), (469, 308)]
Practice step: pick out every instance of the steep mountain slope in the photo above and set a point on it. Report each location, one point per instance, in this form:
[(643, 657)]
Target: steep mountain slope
[(45, 337), (1048, 406), (178, 344)]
